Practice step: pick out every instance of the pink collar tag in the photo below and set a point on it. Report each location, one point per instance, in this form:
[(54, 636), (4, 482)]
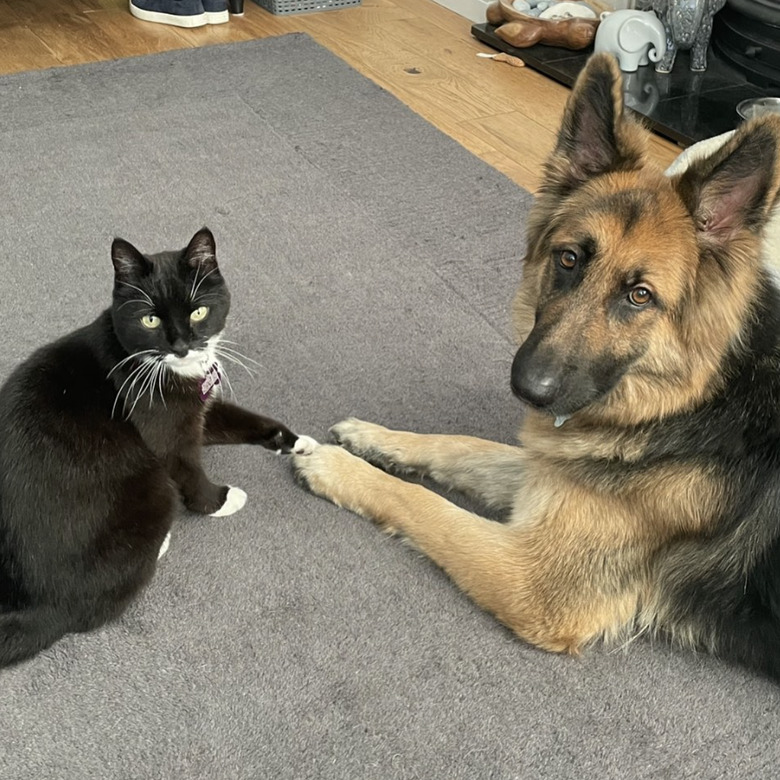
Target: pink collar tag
[(210, 381)]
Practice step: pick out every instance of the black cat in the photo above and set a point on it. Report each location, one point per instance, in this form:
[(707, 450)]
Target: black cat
[(98, 431)]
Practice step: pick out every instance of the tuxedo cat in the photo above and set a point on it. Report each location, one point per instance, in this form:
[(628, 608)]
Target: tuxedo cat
[(99, 432)]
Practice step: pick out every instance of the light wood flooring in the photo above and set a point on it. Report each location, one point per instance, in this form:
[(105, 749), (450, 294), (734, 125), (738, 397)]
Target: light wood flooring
[(421, 52)]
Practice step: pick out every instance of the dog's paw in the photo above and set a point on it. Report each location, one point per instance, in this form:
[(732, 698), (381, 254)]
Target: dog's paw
[(235, 500), (360, 437), (371, 442), (305, 445), (347, 481), (327, 471)]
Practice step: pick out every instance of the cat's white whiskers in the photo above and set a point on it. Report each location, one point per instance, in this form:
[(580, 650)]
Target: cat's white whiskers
[(148, 384), (237, 353), (138, 289), (132, 390), (229, 383), (220, 352), (194, 281), (160, 376), (151, 384), (203, 279), (134, 375), (129, 357), (133, 300), (149, 367)]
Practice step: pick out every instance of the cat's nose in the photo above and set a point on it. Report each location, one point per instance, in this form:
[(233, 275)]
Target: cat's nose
[(179, 348)]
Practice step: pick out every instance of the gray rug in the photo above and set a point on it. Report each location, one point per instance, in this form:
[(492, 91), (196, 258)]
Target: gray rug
[(372, 262)]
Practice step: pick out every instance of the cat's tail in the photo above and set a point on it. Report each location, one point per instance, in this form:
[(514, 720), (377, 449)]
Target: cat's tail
[(24, 633)]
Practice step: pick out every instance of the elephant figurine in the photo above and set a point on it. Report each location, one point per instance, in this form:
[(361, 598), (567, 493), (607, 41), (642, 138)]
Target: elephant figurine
[(634, 37), (688, 25)]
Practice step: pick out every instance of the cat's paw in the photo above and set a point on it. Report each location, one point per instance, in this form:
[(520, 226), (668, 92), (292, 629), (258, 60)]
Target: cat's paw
[(235, 500), (284, 441), (305, 445), (164, 546)]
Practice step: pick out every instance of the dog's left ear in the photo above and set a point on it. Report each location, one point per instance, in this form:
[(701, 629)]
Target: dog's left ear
[(594, 138), (735, 188)]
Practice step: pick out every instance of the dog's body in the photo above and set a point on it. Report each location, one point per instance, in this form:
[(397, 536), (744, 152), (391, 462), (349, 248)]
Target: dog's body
[(645, 494)]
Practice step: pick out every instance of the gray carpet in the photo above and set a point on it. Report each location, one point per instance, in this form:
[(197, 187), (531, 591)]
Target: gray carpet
[(372, 262)]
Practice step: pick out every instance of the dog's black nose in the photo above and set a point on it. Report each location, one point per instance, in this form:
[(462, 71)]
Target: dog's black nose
[(533, 382)]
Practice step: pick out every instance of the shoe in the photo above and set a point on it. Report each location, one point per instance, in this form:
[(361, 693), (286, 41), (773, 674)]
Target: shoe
[(216, 11), (180, 13)]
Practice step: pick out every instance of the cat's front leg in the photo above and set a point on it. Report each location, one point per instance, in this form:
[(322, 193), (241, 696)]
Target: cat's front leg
[(230, 424), (200, 494)]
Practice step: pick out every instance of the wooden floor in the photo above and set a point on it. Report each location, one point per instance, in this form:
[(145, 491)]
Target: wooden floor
[(418, 50)]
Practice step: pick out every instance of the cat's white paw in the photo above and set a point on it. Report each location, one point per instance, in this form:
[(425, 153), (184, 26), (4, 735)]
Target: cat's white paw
[(164, 546), (236, 498), (305, 445)]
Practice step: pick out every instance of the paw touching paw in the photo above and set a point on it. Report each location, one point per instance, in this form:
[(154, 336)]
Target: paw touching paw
[(305, 445), (284, 441), (324, 470)]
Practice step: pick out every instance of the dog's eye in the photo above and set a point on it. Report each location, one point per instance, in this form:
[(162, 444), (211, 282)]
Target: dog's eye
[(640, 296), (567, 259)]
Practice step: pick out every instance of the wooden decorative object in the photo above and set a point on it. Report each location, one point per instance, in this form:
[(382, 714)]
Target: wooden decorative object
[(522, 31)]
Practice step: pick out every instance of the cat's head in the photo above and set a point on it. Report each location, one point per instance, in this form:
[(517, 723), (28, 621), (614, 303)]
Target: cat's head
[(170, 306)]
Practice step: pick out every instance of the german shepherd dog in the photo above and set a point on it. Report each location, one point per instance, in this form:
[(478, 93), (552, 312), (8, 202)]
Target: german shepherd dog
[(645, 493)]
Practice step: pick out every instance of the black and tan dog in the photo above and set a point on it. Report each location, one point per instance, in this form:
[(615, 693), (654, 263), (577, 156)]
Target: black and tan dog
[(645, 494)]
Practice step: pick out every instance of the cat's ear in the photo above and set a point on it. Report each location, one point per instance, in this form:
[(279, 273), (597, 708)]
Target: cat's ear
[(128, 262), (201, 252)]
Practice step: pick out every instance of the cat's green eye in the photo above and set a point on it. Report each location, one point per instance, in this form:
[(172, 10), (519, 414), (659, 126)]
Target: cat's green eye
[(200, 314), (150, 321)]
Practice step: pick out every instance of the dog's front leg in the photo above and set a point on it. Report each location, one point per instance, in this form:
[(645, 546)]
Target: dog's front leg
[(499, 566), (488, 471)]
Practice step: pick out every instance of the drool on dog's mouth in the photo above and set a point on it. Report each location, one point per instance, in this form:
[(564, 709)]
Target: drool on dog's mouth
[(560, 417)]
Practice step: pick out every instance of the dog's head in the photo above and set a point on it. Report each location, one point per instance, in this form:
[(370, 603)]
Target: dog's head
[(636, 284)]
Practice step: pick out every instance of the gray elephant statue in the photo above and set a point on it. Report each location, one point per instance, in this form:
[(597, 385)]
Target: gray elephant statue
[(688, 25), (634, 37)]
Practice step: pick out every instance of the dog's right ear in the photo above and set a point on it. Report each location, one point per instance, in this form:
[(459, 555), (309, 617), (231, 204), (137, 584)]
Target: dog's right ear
[(594, 138)]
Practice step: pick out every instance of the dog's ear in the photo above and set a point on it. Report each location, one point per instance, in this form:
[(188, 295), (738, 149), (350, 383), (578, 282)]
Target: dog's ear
[(595, 137), (735, 188)]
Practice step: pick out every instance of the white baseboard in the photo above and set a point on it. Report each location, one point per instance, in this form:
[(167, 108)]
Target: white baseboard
[(474, 10)]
